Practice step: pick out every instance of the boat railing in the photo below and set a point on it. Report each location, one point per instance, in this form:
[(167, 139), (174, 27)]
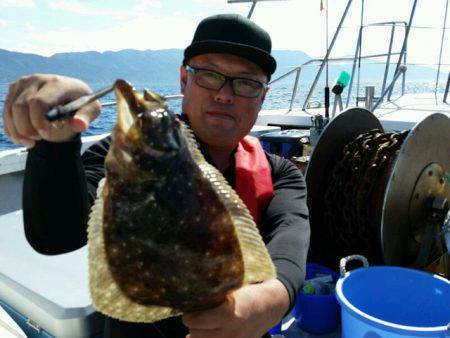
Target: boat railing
[(357, 57), (386, 91), (447, 87), (167, 98), (314, 63)]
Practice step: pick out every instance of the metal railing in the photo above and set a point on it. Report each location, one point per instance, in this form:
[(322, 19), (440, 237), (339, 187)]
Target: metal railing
[(389, 88), (447, 87), (386, 91), (357, 57), (167, 98), (313, 62), (330, 48), (440, 52)]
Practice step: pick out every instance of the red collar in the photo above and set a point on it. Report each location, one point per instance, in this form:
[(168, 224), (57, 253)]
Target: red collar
[(253, 176)]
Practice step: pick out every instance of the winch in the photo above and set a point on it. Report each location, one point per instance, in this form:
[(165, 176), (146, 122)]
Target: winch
[(384, 195)]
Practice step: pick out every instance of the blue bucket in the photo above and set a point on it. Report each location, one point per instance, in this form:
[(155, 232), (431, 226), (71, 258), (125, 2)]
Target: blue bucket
[(276, 329), (391, 302), (317, 314)]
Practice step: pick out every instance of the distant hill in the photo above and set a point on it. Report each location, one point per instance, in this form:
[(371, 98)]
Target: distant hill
[(143, 66), (158, 66), (152, 66)]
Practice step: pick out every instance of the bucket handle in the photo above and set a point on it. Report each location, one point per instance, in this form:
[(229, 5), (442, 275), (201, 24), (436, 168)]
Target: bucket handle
[(345, 260)]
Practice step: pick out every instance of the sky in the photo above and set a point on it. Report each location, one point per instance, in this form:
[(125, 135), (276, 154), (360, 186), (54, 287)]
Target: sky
[(46, 27)]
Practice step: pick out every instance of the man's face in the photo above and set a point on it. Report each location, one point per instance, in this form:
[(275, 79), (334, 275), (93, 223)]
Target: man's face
[(220, 118)]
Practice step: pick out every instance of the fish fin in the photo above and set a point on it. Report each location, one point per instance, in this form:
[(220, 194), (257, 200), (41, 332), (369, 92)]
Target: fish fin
[(258, 265), (125, 115), (106, 295), (152, 97)]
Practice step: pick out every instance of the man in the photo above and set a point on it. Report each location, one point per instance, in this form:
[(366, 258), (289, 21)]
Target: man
[(224, 81)]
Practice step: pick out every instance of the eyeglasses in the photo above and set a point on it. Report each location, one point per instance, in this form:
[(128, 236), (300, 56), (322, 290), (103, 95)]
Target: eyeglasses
[(212, 80)]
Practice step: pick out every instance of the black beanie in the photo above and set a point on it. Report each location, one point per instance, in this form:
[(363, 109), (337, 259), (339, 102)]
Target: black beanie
[(233, 34)]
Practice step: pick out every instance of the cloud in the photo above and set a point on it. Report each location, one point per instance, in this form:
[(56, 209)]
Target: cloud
[(77, 7), (18, 3), (73, 7), (145, 5), (30, 28), (210, 2), (140, 33)]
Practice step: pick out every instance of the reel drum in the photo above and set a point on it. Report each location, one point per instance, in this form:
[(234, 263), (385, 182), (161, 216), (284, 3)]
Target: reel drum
[(420, 172)]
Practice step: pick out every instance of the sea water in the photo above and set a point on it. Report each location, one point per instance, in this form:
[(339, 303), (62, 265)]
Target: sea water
[(279, 97)]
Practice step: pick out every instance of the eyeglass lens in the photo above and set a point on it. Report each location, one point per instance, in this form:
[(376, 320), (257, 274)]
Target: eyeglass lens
[(215, 81)]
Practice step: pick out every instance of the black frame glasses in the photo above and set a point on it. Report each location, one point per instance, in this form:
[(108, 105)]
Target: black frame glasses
[(212, 80)]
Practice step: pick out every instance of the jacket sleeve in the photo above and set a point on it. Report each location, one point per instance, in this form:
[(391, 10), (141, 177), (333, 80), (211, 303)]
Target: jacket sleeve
[(285, 226), (59, 188)]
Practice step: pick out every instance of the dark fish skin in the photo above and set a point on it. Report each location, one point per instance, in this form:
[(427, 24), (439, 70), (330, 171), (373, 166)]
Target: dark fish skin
[(169, 240)]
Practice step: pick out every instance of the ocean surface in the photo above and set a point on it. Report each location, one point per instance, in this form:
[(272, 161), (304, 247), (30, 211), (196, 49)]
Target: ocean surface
[(278, 97)]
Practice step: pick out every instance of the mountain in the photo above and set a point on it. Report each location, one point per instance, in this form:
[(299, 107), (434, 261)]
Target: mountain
[(158, 66), (154, 66), (136, 66)]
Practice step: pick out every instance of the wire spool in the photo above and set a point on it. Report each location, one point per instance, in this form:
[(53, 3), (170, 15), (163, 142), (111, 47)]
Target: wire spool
[(341, 130), (370, 195)]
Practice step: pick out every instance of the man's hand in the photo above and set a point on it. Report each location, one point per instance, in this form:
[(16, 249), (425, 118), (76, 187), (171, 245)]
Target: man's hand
[(31, 97), (249, 312)]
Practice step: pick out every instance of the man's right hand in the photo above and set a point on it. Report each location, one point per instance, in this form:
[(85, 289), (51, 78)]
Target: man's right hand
[(31, 97)]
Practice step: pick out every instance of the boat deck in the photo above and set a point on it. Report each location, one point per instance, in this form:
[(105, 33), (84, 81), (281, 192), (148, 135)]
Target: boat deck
[(395, 115), (50, 290)]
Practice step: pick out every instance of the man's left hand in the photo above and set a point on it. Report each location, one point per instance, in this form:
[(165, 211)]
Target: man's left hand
[(249, 312)]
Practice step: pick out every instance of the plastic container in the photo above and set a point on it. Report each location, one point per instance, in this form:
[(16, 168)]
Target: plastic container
[(285, 143), (393, 302), (313, 313), (276, 329)]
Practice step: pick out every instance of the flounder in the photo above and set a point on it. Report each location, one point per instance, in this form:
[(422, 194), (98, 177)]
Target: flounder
[(167, 234)]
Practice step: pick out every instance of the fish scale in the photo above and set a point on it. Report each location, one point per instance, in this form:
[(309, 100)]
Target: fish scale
[(167, 234)]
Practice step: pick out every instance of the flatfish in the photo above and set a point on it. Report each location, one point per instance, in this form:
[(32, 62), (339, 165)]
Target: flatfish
[(166, 234)]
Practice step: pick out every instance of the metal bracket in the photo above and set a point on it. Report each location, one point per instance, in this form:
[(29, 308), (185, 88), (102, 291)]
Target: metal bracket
[(345, 260), (35, 326)]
